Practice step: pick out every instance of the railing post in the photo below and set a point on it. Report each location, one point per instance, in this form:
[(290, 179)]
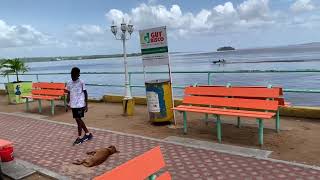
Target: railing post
[(37, 77), (8, 78), (206, 115), (209, 78), (130, 83)]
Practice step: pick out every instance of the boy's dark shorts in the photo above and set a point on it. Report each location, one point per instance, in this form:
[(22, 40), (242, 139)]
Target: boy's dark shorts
[(78, 112)]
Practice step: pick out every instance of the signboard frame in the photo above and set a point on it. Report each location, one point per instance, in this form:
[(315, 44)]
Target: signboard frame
[(155, 52)]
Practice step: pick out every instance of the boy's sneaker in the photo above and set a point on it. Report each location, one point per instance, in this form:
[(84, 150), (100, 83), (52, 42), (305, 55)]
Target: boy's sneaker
[(87, 137), (78, 141)]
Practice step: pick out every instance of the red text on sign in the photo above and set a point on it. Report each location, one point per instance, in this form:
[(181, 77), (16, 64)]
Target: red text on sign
[(156, 37)]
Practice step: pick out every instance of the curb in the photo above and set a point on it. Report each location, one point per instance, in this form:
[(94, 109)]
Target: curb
[(43, 171)]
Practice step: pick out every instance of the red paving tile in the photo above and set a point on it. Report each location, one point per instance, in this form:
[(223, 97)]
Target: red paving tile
[(48, 145)]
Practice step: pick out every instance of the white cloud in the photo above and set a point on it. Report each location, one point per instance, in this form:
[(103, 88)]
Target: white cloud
[(254, 9), (87, 36), (221, 18), (21, 36), (146, 16), (117, 15), (302, 6), (87, 33)]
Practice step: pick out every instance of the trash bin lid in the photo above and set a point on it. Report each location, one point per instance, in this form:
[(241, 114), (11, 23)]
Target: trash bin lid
[(4, 143), (158, 81)]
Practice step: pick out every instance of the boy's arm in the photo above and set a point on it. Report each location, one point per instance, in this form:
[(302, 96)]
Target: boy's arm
[(86, 99), (68, 94), (68, 97)]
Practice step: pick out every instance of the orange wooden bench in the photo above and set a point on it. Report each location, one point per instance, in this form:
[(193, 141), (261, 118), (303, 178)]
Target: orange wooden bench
[(250, 102), (49, 92), (139, 168)]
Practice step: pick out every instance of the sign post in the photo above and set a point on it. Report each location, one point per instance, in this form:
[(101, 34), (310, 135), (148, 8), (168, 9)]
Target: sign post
[(154, 51)]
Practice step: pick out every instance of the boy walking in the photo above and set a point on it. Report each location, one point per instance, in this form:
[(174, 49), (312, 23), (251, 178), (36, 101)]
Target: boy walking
[(77, 100)]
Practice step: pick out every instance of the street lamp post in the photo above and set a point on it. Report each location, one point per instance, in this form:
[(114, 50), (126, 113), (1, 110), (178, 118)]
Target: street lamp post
[(124, 35)]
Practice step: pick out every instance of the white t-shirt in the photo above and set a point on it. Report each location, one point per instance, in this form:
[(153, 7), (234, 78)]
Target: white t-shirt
[(77, 98)]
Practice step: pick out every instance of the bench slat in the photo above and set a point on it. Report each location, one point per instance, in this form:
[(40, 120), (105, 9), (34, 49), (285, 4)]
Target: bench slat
[(45, 85), (232, 102), (48, 92), (241, 113), (138, 168), (280, 99), (228, 110), (234, 91), (41, 97)]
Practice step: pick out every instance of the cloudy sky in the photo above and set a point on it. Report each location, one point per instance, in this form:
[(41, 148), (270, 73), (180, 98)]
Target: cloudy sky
[(82, 27)]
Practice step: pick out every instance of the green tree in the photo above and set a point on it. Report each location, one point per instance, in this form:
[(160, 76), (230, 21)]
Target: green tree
[(13, 66)]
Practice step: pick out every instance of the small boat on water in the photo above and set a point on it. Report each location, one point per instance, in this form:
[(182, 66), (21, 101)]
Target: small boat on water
[(219, 62)]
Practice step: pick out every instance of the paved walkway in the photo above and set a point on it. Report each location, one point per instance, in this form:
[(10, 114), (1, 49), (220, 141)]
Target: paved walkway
[(48, 145)]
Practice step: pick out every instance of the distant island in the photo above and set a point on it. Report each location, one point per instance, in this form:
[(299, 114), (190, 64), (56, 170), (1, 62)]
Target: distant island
[(226, 48)]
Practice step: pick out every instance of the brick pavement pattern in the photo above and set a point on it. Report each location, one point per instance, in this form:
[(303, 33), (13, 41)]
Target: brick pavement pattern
[(49, 145)]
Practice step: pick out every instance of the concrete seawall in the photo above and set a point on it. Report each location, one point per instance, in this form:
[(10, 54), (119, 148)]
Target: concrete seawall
[(2, 92)]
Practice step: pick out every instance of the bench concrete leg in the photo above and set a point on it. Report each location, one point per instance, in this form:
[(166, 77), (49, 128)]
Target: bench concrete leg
[(260, 131), (278, 121), (52, 107), (185, 122), (152, 177), (27, 104), (219, 128), (40, 106)]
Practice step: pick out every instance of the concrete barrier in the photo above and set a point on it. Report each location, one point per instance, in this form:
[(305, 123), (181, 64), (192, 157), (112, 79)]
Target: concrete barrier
[(140, 100), (301, 112), (95, 100), (3, 92)]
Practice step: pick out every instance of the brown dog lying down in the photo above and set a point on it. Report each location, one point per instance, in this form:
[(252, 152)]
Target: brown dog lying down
[(97, 157)]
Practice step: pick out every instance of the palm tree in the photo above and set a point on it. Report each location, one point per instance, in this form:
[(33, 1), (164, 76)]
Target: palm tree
[(13, 66)]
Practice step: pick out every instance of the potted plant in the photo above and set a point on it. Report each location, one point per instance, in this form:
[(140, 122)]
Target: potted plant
[(18, 88)]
